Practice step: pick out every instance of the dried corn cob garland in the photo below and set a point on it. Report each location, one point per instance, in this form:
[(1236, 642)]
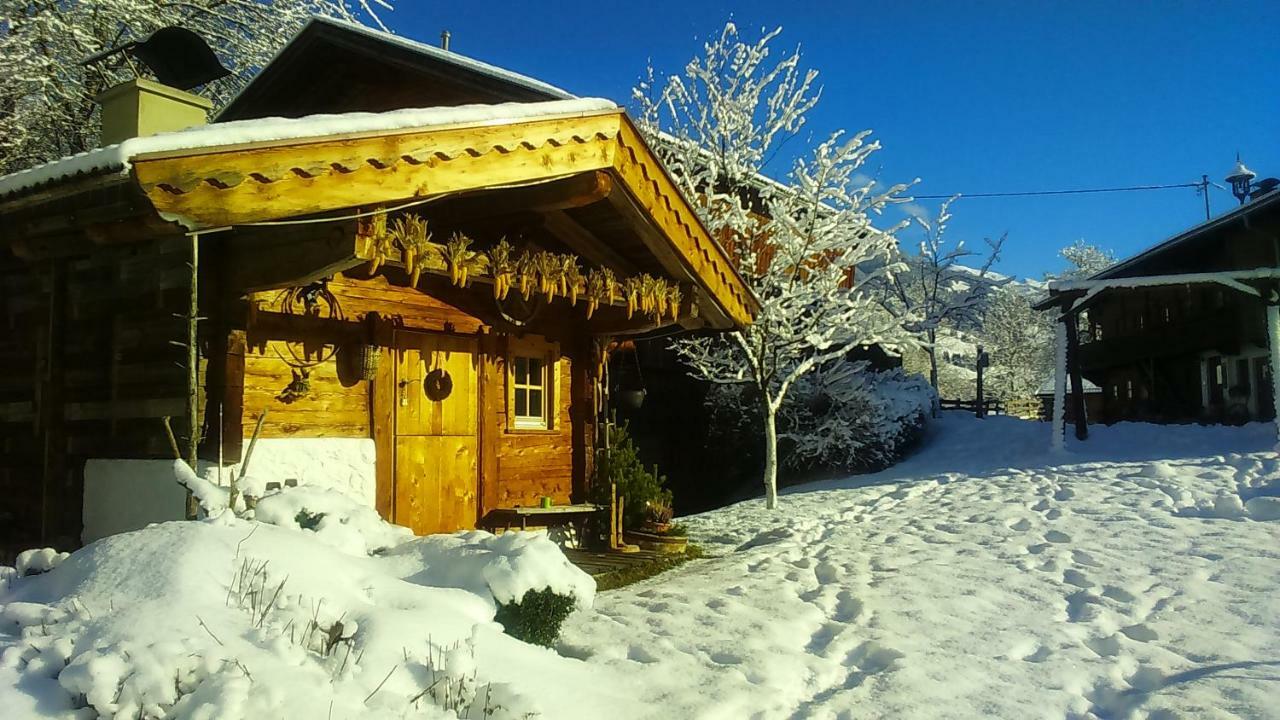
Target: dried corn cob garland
[(597, 289), (673, 301), (526, 274), (631, 289), (460, 258), (548, 268), (502, 267), (571, 278), (411, 234)]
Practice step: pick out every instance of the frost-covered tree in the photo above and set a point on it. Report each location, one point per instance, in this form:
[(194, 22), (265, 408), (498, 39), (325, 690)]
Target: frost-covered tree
[(1019, 341), (844, 415), (799, 243), (1084, 260), (46, 95), (938, 290)]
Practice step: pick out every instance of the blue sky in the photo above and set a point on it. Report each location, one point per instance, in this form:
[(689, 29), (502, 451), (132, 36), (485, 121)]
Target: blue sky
[(968, 97)]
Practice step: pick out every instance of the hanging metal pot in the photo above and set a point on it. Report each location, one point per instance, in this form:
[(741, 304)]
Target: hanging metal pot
[(631, 399)]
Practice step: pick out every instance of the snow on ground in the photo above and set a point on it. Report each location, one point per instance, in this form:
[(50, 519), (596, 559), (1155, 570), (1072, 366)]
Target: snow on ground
[(1132, 576), (227, 619)]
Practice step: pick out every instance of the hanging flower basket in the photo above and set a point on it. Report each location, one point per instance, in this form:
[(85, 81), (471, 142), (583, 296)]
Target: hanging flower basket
[(631, 399)]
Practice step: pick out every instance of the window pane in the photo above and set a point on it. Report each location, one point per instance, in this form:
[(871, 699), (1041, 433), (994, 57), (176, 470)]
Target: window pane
[(521, 370), (535, 371), (522, 402), (535, 403)]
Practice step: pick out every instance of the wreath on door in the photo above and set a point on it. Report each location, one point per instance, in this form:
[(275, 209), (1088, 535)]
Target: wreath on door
[(437, 385)]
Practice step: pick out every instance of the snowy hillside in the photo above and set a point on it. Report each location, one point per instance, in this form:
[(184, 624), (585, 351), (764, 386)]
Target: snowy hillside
[(982, 578)]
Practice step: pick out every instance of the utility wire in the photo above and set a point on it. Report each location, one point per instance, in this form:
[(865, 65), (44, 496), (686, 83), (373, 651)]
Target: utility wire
[(1061, 192)]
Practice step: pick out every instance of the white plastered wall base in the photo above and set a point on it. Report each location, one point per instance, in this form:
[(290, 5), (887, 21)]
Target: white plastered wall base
[(123, 495)]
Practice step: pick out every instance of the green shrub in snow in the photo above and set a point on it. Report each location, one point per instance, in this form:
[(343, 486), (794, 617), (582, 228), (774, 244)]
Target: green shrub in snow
[(638, 487), (537, 617)]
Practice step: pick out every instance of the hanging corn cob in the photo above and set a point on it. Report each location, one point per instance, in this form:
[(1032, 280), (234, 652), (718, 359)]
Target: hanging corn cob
[(597, 290), (673, 301), (527, 273), (460, 257), (631, 290), (411, 234), (548, 267), (502, 267), (571, 278)]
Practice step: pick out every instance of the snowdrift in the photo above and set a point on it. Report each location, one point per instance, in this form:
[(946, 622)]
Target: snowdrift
[(230, 618)]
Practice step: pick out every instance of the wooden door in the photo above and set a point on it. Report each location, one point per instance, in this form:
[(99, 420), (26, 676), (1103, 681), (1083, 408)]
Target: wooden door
[(436, 413)]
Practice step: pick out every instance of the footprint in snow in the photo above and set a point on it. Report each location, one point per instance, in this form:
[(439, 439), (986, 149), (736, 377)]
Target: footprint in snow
[(1057, 536), (1074, 577), (1140, 633)]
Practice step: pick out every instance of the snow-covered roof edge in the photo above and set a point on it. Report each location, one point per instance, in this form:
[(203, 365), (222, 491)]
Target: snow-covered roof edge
[(1188, 234), (420, 48), (313, 127), (1046, 388)]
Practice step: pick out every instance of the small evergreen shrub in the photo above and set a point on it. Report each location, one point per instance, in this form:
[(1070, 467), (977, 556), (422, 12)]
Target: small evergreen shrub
[(536, 618), (308, 520), (639, 488)]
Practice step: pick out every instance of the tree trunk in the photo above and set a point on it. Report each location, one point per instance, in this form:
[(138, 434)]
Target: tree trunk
[(933, 360), (770, 457)]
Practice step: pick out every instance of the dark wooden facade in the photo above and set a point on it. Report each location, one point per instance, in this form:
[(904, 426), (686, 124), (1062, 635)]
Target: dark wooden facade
[(1183, 351)]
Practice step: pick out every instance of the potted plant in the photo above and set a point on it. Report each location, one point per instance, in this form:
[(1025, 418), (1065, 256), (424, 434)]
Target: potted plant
[(657, 532)]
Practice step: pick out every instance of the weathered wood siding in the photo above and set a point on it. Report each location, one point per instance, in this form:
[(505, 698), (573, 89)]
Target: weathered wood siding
[(88, 368), (516, 467)]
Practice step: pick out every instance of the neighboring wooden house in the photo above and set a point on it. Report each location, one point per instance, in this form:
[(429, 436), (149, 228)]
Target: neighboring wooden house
[(389, 358), (1184, 331)]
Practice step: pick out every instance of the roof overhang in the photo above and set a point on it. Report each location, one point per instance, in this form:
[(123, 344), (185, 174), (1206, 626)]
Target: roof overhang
[(220, 186)]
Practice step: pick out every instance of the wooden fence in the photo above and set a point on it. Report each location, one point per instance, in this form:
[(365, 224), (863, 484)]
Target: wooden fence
[(992, 406)]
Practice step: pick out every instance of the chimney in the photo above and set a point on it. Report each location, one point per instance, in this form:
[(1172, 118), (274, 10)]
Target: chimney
[(444, 40), (142, 107)]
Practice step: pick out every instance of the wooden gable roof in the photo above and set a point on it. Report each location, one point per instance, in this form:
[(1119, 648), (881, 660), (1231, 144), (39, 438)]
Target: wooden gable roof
[(332, 66)]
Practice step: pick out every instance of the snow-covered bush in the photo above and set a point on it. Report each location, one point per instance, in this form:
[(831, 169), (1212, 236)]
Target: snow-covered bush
[(35, 562), (846, 417), (231, 618), (537, 617), (337, 519)]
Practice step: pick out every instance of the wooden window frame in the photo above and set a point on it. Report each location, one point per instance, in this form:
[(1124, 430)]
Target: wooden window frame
[(549, 353)]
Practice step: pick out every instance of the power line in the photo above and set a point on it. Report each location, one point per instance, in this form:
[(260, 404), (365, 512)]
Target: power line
[(1081, 191)]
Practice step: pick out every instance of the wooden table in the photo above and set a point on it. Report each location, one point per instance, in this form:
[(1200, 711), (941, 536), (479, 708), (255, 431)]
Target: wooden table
[(554, 515)]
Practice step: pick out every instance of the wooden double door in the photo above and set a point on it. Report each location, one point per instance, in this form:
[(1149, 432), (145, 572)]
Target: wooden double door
[(435, 429)]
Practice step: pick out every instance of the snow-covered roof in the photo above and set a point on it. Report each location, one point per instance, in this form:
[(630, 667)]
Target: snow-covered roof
[(116, 158), (1046, 388), (1194, 232), (422, 49)]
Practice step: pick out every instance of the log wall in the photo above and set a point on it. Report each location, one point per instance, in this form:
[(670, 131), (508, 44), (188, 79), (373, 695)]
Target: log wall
[(88, 369)]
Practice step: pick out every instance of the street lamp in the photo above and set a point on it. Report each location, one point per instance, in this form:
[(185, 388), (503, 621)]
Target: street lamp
[(1240, 179)]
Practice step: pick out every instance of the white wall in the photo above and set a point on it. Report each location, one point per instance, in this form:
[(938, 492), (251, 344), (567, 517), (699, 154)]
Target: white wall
[(345, 464), (124, 495)]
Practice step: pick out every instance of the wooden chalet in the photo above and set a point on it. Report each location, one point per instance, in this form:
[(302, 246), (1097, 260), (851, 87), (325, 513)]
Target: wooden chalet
[(1184, 331), (437, 286)]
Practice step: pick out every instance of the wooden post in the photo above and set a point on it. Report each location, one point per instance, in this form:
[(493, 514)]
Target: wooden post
[(1059, 382), (1273, 343), (193, 371), (51, 399), (1077, 383), (981, 410)]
